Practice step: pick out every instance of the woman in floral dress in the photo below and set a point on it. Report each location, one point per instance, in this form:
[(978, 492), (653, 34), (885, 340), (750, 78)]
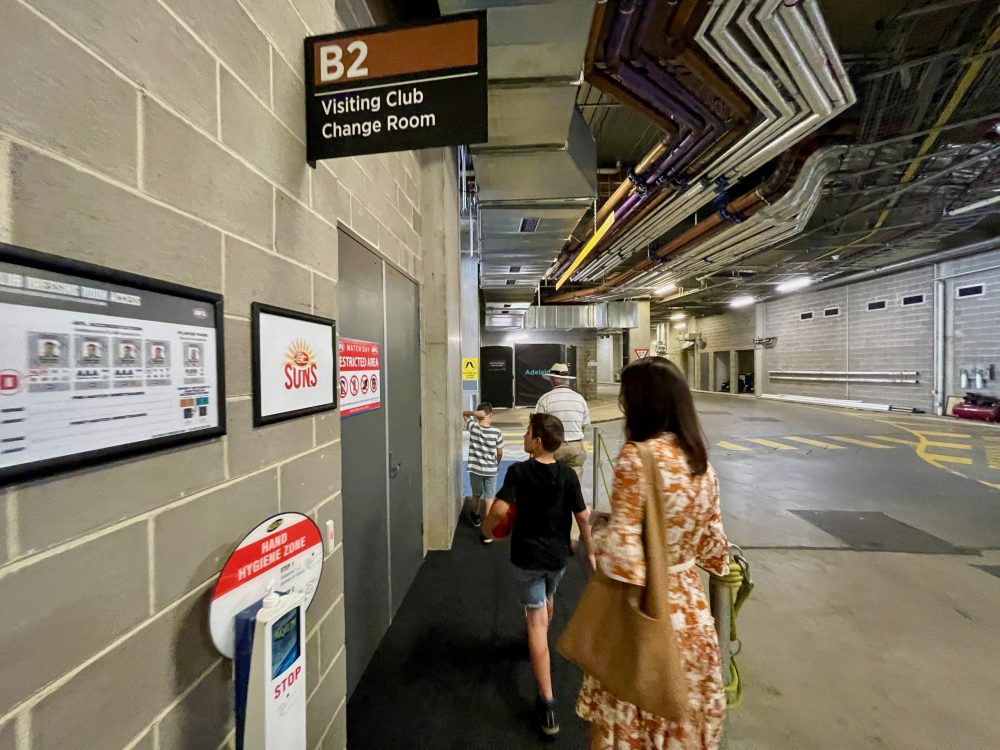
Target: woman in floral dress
[(658, 408)]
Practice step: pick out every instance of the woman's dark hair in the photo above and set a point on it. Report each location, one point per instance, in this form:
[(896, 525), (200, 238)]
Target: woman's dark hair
[(655, 398), (549, 429)]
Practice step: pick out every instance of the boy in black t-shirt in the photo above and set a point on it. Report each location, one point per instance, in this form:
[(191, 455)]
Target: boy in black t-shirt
[(548, 496)]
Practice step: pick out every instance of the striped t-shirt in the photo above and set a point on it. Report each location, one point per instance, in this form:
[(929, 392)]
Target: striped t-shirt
[(483, 445), (570, 407)]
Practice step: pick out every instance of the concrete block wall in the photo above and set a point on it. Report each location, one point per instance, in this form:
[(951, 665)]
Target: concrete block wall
[(972, 323), (858, 339), (729, 332), (165, 137)]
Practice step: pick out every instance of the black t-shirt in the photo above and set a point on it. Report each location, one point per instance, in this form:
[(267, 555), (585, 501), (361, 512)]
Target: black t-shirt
[(547, 496)]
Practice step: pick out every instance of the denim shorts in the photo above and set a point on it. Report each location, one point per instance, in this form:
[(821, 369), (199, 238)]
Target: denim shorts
[(534, 587), (483, 486)]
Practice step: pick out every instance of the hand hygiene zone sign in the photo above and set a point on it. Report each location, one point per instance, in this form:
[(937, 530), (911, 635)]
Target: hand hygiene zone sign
[(360, 376)]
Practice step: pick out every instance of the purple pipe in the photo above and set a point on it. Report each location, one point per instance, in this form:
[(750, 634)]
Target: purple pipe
[(645, 18), (662, 100), (619, 33), (669, 82)]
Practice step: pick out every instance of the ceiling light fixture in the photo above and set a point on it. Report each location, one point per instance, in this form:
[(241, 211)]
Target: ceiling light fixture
[(743, 301), (799, 282), (678, 316), (972, 206), (679, 326), (585, 251), (666, 288)]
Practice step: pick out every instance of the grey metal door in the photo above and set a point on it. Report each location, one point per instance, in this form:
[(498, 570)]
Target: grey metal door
[(364, 454), (402, 379)]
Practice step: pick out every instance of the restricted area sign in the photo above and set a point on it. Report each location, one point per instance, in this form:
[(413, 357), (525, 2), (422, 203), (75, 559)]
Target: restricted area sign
[(360, 376), (470, 368), (642, 353), (395, 88), (282, 554)]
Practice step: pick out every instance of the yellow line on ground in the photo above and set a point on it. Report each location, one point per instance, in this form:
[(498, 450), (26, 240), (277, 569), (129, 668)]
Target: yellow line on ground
[(949, 459), (956, 446), (816, 443), (930, 433), (772, 444), (993, 456), (731, 446), (891, 439), (994, 485), (855, 441)]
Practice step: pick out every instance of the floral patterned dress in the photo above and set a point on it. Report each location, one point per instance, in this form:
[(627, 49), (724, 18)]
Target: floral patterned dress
[(694, 531)]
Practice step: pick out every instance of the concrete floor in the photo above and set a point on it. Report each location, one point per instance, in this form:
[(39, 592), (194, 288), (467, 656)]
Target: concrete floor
[(845, 648)]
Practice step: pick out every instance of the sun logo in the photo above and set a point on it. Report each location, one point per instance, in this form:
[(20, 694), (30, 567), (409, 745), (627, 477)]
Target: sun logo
[(299, 354), (300, 366)]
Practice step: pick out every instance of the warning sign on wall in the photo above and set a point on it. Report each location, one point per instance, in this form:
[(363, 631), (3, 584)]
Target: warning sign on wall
[(641, 353), (360, 376), (470, 368)]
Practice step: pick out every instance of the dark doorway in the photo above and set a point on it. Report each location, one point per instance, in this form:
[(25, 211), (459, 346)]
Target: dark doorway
[(364, 456), (496, 363), (402, 379)]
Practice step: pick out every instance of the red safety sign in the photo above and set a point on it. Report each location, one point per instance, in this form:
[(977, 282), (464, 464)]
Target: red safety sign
[(360, 364), (642, 353), (282, 554)]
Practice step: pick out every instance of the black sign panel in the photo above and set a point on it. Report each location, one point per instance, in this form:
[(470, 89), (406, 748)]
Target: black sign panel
[(533, 362), (396, 88)]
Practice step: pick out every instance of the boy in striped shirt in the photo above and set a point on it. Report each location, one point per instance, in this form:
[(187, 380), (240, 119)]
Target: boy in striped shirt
[(485, 453)]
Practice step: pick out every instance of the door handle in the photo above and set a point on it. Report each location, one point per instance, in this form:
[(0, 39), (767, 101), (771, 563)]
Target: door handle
[(394, 468)]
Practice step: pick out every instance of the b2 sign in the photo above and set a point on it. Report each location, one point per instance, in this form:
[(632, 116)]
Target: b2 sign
[(293, 366), (397, 88)]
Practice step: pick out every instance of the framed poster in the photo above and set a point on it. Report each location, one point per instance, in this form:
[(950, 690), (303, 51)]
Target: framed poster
[(293, 364), (97, 364)]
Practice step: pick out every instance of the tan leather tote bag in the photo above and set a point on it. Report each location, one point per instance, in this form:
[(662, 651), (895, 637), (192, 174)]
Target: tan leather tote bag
[(622, 634)]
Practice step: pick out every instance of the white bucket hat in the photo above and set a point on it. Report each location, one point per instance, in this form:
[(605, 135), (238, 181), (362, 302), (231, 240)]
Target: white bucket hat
[(560, 370)]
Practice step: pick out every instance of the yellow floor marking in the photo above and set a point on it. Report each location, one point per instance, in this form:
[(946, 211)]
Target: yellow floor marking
[(994, 485), (855, 441), (993, 456), (956, 446), (992, 439), (817, 443), (940, 434), (772, 444), (731, 446), (890, 439), (949, 459)]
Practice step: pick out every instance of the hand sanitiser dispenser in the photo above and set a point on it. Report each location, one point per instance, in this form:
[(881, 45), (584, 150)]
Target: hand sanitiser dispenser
[(258, 619), (270, 675)]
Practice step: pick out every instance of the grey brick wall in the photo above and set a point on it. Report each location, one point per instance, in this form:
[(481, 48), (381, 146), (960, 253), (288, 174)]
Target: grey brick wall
[(896, 338), (973, 322), (723, 335), (165, 137)]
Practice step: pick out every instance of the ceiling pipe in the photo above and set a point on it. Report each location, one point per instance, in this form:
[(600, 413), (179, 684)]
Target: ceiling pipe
[(794, 71), (688, 109)]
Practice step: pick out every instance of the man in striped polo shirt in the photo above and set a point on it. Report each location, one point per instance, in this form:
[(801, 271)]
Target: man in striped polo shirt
[(572, 410), (485, 454)]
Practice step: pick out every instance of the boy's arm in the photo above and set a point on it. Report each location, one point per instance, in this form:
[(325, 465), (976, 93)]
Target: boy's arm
[(476, 414), (583, 522), (499, 448)]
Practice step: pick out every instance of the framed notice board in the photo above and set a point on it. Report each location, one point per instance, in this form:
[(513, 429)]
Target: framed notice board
[(97, 364)]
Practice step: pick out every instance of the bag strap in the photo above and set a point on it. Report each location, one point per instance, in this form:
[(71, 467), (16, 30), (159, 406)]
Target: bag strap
[(655, 597)]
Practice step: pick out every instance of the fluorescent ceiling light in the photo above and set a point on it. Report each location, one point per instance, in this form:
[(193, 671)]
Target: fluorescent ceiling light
[(585, 251), (678, 316), (799, 282), (743, 301), (973, 206), (665, 289), (680, 325)]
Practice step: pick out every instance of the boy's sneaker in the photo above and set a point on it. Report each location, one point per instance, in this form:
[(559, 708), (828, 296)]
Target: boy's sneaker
[(484, 540), (546, 713), (477, 520)]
